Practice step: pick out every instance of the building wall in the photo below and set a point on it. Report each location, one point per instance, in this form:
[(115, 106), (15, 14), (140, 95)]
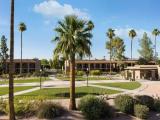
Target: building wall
[(28, 66), (103, 65)]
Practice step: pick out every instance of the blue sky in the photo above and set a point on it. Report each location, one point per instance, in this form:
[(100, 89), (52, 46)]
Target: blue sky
[(41, 18)]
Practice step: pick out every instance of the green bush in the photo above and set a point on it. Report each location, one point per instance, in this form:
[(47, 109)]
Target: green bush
[(141, 111), (80, 73), (36, 74), (29, 74), (5, 76), (49, 110), (145, 100), (24, 108), (125, 103), (95, 108), (157, 105), (95, 72), (3, 105)]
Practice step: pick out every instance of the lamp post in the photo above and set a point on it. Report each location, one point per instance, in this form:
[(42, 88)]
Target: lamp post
[(87, 73), (40, 80)]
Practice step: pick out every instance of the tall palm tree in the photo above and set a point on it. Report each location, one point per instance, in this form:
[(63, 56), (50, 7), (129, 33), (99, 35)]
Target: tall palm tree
[(11, 86), (110, 34), (155, 32), (132, 35), (73, 39), (90, 28), (22, 28)]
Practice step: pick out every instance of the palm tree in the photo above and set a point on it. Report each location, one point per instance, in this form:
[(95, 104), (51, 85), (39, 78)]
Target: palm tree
[(90, 28), (110, 34), (132, 35), (155, 32), (22, 28), (73, 39), (11, 86)]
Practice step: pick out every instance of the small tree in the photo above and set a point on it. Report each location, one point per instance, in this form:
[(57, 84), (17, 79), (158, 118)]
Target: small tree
[(110, 34), (117, 48), (3, 53), (146, 51), (44, 63)]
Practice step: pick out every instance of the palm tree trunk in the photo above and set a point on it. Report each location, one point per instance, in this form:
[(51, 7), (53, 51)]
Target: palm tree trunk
[(131, 50), (155, 48), (72, 105), (21, 56), (110, 57), (11, 87)]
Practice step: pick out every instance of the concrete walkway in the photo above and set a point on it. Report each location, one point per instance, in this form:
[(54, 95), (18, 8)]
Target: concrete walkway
[(112, 88), (21, 92), (151, 88)]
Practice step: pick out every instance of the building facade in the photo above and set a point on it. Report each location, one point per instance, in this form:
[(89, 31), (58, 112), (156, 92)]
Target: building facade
[(148, 72), (103, 65), (28, 65)]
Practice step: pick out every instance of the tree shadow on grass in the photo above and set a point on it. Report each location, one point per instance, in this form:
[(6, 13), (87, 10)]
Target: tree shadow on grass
[(77, 95)]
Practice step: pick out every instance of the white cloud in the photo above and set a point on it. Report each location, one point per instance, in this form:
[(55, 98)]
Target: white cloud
[(123, 32), (52, 8)]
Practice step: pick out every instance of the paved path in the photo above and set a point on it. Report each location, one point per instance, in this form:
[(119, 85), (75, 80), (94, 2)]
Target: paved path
[(112, 88), (151, 88), (21, 92)]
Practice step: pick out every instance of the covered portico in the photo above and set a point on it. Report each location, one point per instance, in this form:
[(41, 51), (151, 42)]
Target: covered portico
[(149, 72)]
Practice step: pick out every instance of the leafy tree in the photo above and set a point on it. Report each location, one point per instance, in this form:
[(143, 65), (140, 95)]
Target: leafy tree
[(146, 51), (3, 53), (58, 62), (73, 39), (11, 79), (117, 48), (156, 33), (132, 35), (22, 28), (51, 63), (110, 34), (142, 61), (45, 63)]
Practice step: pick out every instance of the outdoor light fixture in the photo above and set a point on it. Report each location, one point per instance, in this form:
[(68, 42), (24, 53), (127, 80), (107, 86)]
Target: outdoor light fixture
[(87, 73), (40, 79)]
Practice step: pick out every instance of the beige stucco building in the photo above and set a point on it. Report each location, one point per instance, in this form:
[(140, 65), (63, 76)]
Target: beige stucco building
[(137, 72), (28, 65), (103, 65)]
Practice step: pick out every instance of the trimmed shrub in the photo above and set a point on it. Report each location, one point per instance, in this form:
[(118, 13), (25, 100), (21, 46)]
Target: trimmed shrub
[(5, 76), (95, 72), (125, 103), (141, 111), (23, 108), (80, 73), (157, 105), (95, 108), (3, 105), (145, 100), (36, 74), (49, 110)]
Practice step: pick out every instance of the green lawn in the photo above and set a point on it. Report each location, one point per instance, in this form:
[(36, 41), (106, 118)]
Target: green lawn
[(64, 92), (27, 80), (4, 90), (84, 78), (123, 85)]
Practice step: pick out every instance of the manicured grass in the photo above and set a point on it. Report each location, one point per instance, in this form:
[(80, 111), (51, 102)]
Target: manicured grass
[(4, 90), (64, 92), (27, 80), (84, 78), (123, 85)]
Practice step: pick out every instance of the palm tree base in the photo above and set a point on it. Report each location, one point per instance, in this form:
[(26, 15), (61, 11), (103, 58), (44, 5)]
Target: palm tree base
[(72, 106)]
